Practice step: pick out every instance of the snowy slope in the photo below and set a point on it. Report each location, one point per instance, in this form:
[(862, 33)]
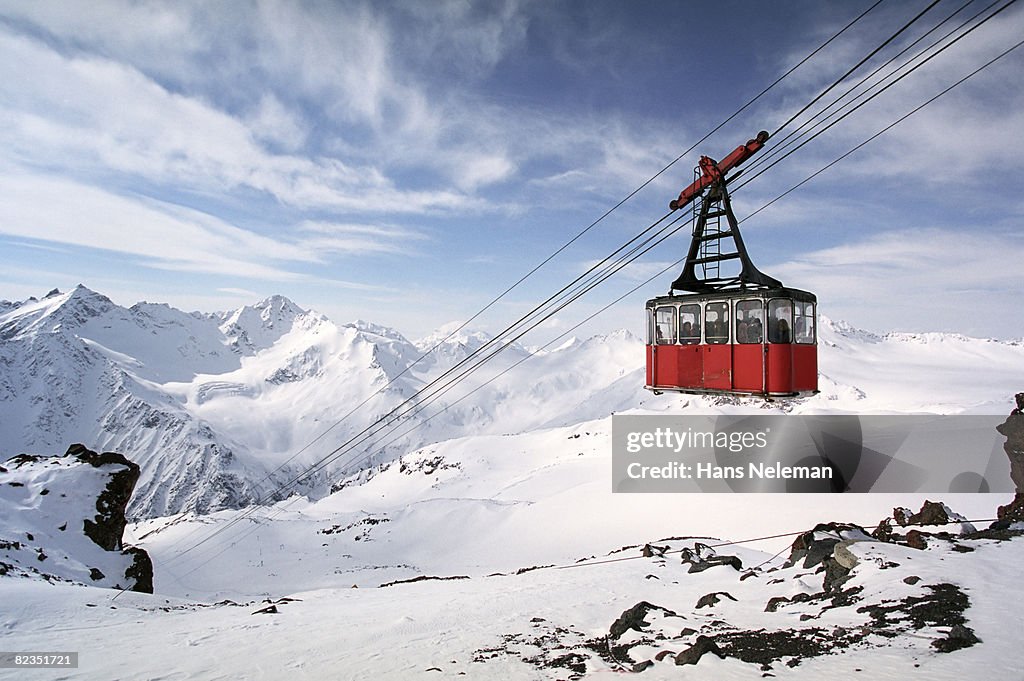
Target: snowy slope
[(474, 505), (901, 372), (210, 406), (62, 519), (486, 514), (513, 478), (538, 625), (79, 368)]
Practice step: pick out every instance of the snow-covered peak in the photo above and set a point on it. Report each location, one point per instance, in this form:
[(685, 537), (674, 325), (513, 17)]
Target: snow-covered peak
[(617, 337), (162, 314), (832, 331), (217, 400), (269, 313), (277, 310), (828, 328), (377, 330), (453, 336), (252, 328), (55, 312), (458, 331), (930, 337), (81, 298), (568, 343)]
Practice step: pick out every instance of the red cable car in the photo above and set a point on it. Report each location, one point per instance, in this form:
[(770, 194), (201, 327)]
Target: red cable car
[(736, 333)]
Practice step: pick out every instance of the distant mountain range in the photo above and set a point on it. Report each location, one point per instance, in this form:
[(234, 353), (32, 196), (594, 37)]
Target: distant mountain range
[(213, 406), (218, 409)]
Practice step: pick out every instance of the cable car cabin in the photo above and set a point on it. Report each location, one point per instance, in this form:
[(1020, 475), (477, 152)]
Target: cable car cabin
[(746, 342), (733, 329)]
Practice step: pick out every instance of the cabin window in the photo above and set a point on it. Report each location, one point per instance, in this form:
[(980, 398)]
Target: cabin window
[(717, 320), (780, 320), (689, 324), (650, 326), (803, 322), (665, 325), (749, 321)]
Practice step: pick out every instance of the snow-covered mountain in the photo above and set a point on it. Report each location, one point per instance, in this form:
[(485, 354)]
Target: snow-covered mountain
[(220, 410), (214, 407), (177, 391)]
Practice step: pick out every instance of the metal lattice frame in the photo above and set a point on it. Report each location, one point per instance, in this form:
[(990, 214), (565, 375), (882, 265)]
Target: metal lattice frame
[(714, 205)]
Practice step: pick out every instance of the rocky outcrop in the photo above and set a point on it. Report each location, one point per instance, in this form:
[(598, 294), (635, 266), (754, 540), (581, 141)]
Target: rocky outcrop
[(62, 518), (931, 513), (702, 557), (692, 655), (107, 527), (869, 597), (635, 619), (1013, 430), (1012, 512)]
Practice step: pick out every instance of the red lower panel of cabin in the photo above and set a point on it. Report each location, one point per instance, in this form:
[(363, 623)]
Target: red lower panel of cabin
[(748, 367), (805, 368), (774, 369)]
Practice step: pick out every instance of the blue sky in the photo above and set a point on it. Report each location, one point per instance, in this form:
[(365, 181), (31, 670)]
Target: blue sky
[(405, 162)]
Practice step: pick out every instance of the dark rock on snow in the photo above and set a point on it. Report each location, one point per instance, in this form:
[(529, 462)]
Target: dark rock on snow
[(692, 655), (96, 500)]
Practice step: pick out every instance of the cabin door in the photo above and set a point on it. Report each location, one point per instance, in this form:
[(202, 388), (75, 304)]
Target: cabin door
[(717, 355), (749, 347)]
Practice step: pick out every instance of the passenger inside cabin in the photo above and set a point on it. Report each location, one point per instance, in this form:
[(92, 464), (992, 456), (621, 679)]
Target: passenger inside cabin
[(803, 334), (717, 332), (781, 333), (755, 331)]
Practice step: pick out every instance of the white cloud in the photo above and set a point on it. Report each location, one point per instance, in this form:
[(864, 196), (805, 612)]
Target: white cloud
[(163, 235), (918, 280), (323, 109), (120, 26), (340, 54), (954, 142), (469, 39), (641, 270), (356, 239), (92, 113), (251, 295), (332, 124), (171, 237), (274, 124)]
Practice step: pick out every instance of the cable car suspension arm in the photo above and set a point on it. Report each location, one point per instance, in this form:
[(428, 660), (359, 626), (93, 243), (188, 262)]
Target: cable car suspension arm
[(713, 171)]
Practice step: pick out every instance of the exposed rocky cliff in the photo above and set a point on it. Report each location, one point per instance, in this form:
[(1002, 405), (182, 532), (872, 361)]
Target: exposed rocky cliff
[(62, 518)]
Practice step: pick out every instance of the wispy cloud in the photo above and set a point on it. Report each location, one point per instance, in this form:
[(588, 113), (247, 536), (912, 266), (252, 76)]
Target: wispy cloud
[(640, 270), (933, 279), (168, 236), (239, 292), (355, 239), (331, 110), (949, 143), (163, 235), (310, 142), (88, 113)]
